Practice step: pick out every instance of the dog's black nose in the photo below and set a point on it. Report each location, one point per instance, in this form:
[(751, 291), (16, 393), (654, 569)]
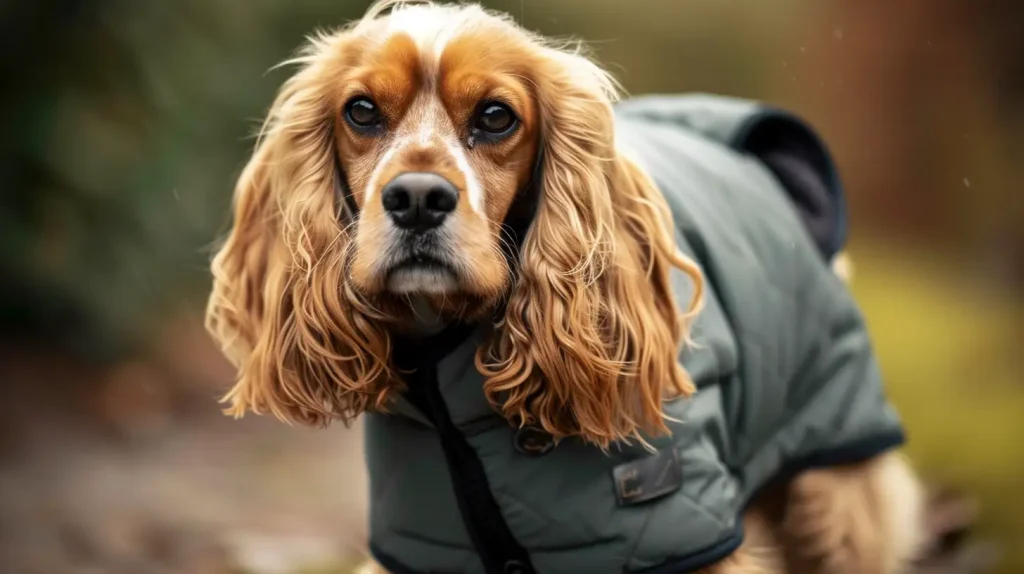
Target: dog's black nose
[(419, 200)]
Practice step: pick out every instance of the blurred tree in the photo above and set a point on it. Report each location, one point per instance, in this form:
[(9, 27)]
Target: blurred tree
[(33, 41), (121, 130), (922, 102)]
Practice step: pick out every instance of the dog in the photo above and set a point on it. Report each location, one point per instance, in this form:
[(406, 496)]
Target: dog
[(451, 227)]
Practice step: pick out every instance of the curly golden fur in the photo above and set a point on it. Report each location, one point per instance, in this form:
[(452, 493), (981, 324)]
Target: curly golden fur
[(306, 300)]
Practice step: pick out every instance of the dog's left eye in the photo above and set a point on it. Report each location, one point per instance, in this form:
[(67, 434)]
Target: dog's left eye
[(495, 119), (362, 113)]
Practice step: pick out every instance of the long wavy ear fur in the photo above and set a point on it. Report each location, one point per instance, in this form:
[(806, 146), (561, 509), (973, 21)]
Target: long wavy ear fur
[(590, 342), (307, 349)]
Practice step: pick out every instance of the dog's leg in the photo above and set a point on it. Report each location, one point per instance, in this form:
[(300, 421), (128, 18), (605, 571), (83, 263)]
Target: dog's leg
[(857, 519), (760, 552)]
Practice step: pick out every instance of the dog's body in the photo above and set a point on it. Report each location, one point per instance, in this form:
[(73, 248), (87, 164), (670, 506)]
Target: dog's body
[(854, 519), (438, 169)]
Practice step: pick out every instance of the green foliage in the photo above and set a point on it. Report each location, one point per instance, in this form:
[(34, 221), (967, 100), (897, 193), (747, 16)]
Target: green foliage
[(119, 169)]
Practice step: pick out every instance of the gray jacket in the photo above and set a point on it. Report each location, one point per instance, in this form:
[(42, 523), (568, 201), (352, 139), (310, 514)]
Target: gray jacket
[(786, 378)]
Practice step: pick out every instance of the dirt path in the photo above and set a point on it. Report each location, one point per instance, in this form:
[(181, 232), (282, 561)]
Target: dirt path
[(182, 489)]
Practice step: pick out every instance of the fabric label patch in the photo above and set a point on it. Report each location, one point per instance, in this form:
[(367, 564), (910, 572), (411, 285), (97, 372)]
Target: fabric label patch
[(647, 478)]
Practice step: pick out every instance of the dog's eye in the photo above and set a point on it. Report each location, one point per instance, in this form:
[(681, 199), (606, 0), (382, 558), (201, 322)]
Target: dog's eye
[(362, 113), (495, 119)]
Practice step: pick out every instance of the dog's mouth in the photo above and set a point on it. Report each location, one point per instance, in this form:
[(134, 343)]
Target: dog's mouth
[(422, 273)]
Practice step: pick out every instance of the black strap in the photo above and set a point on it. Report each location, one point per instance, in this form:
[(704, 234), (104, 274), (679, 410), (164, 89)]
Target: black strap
[(493, 540)]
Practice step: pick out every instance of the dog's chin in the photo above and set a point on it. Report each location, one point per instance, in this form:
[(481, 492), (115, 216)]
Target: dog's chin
[(427, 278)]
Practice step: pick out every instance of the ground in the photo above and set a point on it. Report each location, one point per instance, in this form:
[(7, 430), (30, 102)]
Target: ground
[(98, 476)]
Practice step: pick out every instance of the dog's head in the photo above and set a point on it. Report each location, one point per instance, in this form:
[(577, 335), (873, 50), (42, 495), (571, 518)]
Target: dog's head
[(443, 155)]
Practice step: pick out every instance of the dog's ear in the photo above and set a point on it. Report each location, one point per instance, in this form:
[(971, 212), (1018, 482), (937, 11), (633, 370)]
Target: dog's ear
[(280, 308), (590, 342)]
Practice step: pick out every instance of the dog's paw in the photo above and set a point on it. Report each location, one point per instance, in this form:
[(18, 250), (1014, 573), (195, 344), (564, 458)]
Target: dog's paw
[(949, 520), (830, 524)]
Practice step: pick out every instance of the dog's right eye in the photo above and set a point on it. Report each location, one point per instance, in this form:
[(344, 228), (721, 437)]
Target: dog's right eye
[(362, 114)]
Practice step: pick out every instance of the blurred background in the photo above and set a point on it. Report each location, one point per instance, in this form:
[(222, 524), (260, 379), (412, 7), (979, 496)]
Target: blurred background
[(123, 125)]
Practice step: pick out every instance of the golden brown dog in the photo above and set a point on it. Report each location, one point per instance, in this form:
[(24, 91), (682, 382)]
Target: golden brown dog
[(305, 301)]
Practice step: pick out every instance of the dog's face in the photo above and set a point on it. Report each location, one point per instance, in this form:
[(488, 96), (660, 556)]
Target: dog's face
[(436, 133), (433, 118)]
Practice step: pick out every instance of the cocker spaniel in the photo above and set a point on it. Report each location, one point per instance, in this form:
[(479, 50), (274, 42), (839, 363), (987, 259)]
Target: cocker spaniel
[(587, 336)]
